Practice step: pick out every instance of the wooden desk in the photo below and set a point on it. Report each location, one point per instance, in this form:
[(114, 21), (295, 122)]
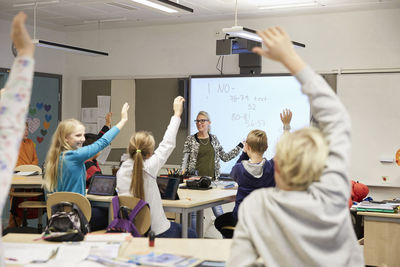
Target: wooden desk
[(28, 182), (190, 201), (381, 238), (206, 249)]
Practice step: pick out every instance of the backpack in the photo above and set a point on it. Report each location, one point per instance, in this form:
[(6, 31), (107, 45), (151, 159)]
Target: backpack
[(124, 217), (66, 224)]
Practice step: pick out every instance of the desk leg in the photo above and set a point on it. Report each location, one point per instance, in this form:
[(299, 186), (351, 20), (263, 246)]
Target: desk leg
[(200, 223), (185, 222)]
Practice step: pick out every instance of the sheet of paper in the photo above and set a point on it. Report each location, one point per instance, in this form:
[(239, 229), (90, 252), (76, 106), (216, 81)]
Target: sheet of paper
[(105, 250), (16, 253), (91, 128), (89, 115), (103, 104), (73, 253), (104, 155)]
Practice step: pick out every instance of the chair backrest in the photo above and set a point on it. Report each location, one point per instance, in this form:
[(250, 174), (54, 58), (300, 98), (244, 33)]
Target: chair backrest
[(81, 201), (28, 168), (142, 220)]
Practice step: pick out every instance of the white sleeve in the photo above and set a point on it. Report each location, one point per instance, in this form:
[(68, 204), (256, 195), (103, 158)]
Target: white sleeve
[(14, 104), (164, 149)]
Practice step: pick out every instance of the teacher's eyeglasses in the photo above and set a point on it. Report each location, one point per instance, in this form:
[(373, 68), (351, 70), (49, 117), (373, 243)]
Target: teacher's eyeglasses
[(200, 121)]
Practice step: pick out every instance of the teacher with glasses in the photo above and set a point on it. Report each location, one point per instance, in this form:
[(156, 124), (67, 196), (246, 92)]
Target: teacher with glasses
[(202, 153)]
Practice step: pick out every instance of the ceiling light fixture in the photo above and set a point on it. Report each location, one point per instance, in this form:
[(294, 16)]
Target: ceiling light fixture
[(70, 48), (247, 33), (164, 5), (42, 43)]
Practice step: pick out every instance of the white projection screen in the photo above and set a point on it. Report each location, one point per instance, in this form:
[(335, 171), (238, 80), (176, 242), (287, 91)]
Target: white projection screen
[(240, 104)]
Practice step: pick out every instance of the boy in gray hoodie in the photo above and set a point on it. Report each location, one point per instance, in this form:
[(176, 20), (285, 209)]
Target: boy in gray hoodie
[(305, 220)]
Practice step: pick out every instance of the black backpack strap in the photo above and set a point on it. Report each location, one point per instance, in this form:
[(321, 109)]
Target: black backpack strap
[(115, 203), (85, 228), (136, 210)]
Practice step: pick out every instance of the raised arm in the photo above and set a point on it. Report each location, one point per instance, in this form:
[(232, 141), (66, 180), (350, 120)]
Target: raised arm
[(89, 151), (14, 106), (167, 145), (106, 126), (108, 119), (227, 156), (15, 99), (326, 109)]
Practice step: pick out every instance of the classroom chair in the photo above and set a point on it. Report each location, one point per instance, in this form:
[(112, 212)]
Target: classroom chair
[(142, 220), (28, 168), (26, 204), (79, 200)]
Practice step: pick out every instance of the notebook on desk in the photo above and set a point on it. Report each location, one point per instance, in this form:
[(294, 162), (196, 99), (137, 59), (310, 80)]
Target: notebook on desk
[(103, 185), (168, 187)]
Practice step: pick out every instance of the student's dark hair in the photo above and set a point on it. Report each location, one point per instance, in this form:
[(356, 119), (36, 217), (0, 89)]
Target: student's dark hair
[(90, 139)]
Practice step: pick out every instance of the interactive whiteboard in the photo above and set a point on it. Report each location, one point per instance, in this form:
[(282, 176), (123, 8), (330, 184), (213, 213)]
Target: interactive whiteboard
[(237, 105)]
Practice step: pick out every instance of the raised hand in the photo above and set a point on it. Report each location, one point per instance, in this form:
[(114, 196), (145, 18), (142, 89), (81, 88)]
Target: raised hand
[(286, 116), (124, 112), (20, 37), (279, 48), (178, 106), (108, 119), (124, 116)]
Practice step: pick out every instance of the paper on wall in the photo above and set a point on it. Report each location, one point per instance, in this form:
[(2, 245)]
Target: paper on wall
[(89, 115), (91, 128), (103, 105)]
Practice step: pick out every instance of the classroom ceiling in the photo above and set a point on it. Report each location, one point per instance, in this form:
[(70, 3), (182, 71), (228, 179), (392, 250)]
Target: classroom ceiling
[(74, 15)]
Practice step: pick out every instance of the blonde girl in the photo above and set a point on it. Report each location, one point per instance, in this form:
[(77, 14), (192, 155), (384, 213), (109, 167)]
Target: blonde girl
[(65, 168), (137, 175)]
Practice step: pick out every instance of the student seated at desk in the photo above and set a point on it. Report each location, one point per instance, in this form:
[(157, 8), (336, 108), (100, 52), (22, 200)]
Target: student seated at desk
[(305, 220), (251, 172), (14, 103), (65, 168), (27, 152), (137, 175)]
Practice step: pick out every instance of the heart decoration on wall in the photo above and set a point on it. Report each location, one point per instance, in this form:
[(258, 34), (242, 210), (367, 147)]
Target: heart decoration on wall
[(33, 124), (39, 106), (32, 111), (47, 117)]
